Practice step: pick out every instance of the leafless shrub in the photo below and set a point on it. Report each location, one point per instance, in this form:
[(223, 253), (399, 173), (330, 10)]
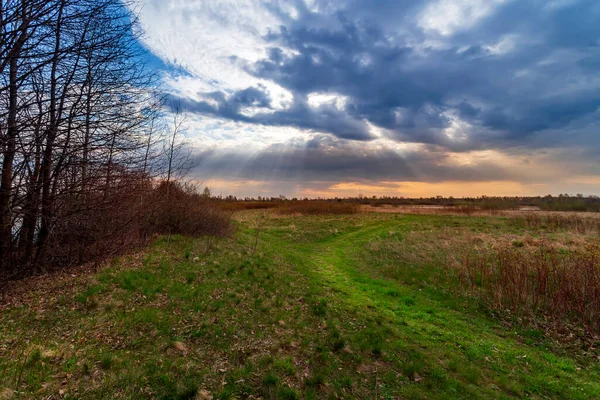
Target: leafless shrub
[(557, 285), (180, 209), (126, 215)]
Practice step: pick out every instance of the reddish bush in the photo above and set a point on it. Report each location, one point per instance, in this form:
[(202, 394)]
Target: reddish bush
[(115, 218), (180, 209), (559, 285)]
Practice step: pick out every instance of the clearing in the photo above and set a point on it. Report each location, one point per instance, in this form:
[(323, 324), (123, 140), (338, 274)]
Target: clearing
[(348, 306)]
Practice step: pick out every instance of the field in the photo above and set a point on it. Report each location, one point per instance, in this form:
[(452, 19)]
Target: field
[(380, 305)]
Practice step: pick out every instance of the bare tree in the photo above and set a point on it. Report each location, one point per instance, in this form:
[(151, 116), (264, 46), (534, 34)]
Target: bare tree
[(72, 97), (177, 150), (84, 147)]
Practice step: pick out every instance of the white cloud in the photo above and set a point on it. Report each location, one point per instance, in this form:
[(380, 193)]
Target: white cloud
[(202, 36), (319, 99), (210, 40), (208, 132), (552, 5), (458, 129), (449, 16), (505, 45)]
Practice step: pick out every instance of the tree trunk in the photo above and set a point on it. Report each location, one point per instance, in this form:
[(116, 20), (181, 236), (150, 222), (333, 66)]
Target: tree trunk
[(46, 173), (9, 147)]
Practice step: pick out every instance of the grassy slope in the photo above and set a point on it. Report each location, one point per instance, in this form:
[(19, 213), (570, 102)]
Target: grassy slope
[(311, 313)]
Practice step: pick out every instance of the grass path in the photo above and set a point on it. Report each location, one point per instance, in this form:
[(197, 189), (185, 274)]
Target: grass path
[(455, 345)]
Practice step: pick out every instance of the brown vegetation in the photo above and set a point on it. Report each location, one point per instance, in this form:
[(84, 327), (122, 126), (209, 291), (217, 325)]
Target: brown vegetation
[(287, 207), (246, 205), (549, 281), (557, 285), (555, 221), (182, 210), (127, 215), (316, 208), (484, 205)]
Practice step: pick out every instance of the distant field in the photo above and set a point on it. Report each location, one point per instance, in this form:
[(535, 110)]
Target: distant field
[(356, 305), (467, 205), (471, 210)]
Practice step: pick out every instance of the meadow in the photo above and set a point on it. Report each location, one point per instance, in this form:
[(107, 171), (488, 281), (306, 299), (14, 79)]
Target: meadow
[(314, 303)]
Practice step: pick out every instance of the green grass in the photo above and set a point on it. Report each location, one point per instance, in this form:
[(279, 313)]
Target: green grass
[(324, 307)]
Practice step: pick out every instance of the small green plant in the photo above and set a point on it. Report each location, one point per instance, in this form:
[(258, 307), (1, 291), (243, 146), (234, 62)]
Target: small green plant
[(87, 297), (286, 393), (190, 277), (412, 369), (34, 357), (315, 380), (106, 362), (320, 309), (344, 382), (270, 380), (285, 366), (337, 341), (377, 351), (453, 365), (471, 374)]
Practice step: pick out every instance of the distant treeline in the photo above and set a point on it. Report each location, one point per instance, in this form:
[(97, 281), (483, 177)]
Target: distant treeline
[(563, 202)]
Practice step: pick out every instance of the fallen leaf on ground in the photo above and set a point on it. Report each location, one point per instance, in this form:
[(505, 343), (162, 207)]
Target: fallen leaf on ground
[(204, 395)]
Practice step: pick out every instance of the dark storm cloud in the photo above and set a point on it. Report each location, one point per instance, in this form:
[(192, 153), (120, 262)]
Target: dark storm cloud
[(325, 118), (218, 103), (326, 159), (376, 55)]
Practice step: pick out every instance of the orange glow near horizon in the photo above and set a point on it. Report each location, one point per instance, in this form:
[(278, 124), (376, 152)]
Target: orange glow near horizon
[(587, 185), (429, 189)]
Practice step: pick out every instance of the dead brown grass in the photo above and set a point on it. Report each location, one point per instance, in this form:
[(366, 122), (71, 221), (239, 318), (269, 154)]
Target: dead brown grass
[(246, 205), (574, 222), (556, 285), (548, 281), (303, 207), (316, 208), (469, 210), (582, 222)]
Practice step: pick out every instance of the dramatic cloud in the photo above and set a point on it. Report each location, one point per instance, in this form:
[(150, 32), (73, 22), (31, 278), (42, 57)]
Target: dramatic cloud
[(448, 77)]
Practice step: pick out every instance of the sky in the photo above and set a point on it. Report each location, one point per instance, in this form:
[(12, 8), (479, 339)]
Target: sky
[(413, 98)]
